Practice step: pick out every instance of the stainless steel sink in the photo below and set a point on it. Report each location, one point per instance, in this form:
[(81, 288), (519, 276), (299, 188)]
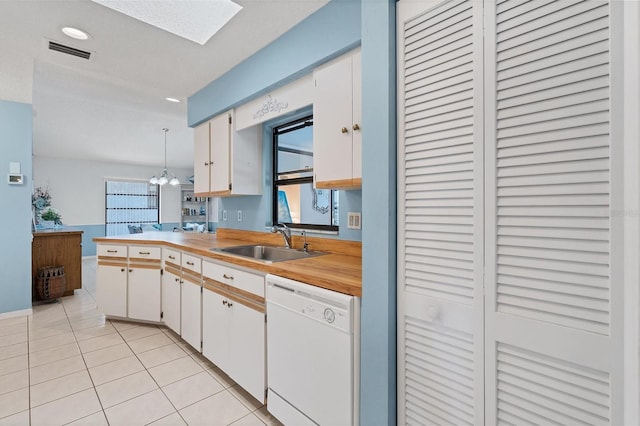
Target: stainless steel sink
[(268, 254)]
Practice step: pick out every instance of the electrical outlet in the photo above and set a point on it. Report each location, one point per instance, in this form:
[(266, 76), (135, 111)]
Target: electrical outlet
[(224, 215), (354, 220), (239, 215)]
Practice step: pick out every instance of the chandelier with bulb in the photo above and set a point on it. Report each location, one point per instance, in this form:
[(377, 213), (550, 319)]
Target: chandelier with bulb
[(164, 177)]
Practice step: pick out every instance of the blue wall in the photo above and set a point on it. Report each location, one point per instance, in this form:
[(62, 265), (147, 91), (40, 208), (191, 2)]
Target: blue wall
[(378, 340), (332, 30), (15, 208)]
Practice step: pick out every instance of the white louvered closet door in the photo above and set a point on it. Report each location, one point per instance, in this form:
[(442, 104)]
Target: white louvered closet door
[(553, 289), (440, 305)]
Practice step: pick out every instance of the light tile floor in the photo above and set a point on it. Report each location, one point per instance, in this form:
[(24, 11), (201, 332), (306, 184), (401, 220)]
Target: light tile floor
[(66, 364)]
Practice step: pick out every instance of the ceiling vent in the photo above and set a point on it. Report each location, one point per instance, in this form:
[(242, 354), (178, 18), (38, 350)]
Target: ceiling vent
[(69, 50)]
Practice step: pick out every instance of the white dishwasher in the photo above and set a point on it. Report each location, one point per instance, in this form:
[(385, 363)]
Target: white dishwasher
[(312, 354)]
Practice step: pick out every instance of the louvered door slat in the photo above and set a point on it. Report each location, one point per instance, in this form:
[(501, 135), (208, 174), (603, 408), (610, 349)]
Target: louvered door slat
[(589, 11), (439, 276), (543, 15)]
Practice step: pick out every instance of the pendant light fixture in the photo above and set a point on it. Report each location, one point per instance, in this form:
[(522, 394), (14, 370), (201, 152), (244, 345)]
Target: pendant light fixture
[(164, 177)]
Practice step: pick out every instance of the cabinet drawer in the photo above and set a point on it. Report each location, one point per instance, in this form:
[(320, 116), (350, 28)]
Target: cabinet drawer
[(171, 256), (112, 250), (144, 252), (234, 277), (191, 263)]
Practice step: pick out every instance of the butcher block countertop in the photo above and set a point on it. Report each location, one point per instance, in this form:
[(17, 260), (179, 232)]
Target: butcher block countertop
[(340, 270)]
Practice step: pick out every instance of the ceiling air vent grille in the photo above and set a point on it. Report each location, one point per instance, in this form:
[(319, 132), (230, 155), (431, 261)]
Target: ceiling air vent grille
[(69, 50)]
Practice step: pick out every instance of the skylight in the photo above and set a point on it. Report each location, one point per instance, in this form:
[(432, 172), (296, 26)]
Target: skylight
[(194, 20)]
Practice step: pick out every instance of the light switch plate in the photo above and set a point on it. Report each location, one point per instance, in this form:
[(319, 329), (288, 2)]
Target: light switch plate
[(239, 215), (224, 215), (354, 220)]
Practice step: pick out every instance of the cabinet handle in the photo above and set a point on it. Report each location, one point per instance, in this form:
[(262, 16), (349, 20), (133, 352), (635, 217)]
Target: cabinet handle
[(356, 127), (224, 302), (177, 280), (144, 252), (229, 304), (130, 270), (172, 258), (181, 282), (112, 251), (344, 130), (228, 277), (122, 270), (206, 164), (190, 263)]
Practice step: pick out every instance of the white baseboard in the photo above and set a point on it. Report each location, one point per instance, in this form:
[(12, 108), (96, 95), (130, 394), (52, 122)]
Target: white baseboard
[(14, 314)]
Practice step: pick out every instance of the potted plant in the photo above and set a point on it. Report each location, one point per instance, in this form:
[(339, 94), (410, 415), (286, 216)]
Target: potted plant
[(51, 215)]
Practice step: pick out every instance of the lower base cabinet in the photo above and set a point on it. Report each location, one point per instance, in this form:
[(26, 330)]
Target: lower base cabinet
[(233, 338), (111, 289), (171, 299), (144, 294), (191, 307)]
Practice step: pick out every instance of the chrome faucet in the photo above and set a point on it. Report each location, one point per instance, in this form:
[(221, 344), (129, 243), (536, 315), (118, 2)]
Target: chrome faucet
[(285, 231)]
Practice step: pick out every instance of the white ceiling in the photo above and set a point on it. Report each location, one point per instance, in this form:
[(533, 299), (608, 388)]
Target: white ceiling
[(112, 107)]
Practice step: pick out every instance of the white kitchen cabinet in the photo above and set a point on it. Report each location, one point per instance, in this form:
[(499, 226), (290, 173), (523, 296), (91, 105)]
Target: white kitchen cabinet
[(191, 307), (233, 326), (227, 162), (214, 328), (144, 283), (111, 289), (171, 292), (171, 299), (191, 301), (111, 279), (144, 294), (337, 113), (128, 281)]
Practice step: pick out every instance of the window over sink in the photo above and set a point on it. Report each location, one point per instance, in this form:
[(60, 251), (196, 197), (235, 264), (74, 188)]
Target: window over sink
[(297, 203)]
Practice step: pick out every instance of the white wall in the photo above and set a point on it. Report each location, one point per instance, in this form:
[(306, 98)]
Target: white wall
[(77, 187)]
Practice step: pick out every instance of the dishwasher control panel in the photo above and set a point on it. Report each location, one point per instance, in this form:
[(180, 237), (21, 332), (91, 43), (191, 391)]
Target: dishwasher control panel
[(326, 313)]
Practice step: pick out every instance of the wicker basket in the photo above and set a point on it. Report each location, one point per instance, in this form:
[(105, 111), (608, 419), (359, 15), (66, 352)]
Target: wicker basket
[(51, 283)]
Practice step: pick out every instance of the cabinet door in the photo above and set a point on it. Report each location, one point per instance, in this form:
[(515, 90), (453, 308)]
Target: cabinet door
[(332, 121), (357, 116), (111, 290), (247, 349), (190, 314), (215, 330), (171, 301), (144, 294), (201, 159), (220, 153)]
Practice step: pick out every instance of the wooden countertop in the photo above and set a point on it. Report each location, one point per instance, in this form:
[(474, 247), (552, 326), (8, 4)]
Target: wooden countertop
[(340, 270)]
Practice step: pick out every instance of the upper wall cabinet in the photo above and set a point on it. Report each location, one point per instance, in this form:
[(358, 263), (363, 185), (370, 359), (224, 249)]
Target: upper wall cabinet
[(227, 162), (337, 117)]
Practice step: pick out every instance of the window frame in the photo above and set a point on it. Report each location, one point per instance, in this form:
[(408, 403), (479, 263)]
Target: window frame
[(281, 129)]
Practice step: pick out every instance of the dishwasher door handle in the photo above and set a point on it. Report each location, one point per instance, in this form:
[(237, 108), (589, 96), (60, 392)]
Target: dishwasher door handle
[(282, 287)]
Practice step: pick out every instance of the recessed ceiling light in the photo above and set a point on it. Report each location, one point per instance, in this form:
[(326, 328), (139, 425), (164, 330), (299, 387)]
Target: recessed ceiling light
[(173, 99), (197, 21), (76, 33)]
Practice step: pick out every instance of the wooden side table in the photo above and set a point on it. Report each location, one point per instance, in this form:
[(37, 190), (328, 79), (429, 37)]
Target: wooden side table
[(53, 247)]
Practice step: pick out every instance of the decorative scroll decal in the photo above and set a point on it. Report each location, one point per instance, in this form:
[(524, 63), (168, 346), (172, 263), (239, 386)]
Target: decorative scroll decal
[(271, 105)]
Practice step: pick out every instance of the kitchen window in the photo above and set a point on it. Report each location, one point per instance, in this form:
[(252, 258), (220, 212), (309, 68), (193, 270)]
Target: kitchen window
[(297, 203), (134, 203)]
